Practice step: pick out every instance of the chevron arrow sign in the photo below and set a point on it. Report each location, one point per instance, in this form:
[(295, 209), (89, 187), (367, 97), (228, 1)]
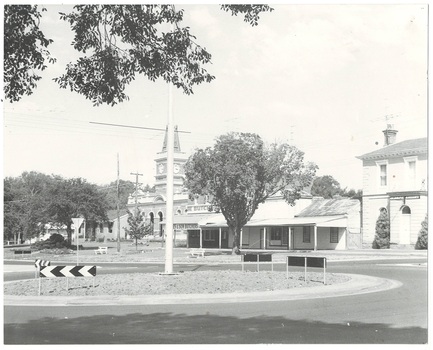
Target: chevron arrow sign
[(67, 271), (39, 263)]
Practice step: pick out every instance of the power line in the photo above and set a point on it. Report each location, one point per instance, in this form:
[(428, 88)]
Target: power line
[(137, 127)]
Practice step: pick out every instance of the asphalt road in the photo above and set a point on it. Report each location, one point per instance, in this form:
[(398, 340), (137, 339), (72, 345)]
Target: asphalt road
[(397, 316)]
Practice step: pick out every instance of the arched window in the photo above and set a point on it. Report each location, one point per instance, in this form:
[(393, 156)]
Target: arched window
[(151, 217), (405, 210), (160, 216)]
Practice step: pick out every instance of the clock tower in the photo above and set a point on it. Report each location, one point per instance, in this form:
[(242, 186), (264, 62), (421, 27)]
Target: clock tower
[(180, 159)]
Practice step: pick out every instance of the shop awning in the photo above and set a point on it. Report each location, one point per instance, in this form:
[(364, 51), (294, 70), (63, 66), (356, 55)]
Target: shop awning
[(319, 221), (218, 220)]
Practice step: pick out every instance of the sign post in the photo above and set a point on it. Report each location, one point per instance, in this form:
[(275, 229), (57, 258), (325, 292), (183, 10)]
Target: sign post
[(306, 262), (77, 223)]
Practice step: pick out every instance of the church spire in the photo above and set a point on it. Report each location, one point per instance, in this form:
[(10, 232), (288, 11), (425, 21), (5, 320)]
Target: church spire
[(176, 140)]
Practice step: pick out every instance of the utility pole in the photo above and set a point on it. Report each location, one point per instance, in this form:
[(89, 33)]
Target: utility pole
[(136, 189), (118, 209)]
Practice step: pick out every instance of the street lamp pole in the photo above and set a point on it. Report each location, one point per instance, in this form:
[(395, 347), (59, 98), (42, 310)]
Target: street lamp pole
[(170, 184)]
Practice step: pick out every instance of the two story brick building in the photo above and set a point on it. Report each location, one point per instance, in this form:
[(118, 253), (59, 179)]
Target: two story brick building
[(395, 181)]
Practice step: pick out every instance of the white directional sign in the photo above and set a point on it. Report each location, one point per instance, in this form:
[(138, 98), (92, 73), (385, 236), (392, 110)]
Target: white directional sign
[(77, 222), (67, 271)]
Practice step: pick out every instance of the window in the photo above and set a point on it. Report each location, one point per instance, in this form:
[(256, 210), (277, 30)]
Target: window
[(306, 237), (383, 172), (405, 210), (411, 170), (285, 238), (278, 236), (275, 233), (209, 235), (334, 235)]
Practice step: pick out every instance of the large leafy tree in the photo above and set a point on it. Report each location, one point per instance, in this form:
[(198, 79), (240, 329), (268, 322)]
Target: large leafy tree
[(25, 202), (125, 189), (25, 50), (71, 198), (328, 187), (240, 172), (325, 186), (118, 42)]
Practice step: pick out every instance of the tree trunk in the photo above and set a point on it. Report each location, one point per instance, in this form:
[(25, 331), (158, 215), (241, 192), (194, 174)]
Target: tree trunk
[(69, 232), (236, 241)]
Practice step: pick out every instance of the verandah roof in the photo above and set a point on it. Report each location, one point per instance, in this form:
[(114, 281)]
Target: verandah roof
[(218, 220)]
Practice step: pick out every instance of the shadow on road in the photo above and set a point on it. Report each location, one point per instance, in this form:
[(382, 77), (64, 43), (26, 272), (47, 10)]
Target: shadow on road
[(168, 328)]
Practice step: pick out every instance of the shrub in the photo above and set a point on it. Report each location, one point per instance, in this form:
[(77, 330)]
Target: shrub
[(422, 241), (56, 238), (381, 239)]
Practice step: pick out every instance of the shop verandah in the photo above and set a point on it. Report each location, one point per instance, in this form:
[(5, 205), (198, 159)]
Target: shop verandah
[(274, 234)]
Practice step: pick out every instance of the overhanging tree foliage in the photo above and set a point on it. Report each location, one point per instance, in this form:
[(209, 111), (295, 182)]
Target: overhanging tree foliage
[(119, 42), (25, 50), (239, 173)]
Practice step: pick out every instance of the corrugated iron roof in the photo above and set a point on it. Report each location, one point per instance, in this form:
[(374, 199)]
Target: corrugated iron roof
[(329, 207), (404, 148)]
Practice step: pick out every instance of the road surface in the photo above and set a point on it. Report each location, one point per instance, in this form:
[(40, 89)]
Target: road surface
[(396, 316)]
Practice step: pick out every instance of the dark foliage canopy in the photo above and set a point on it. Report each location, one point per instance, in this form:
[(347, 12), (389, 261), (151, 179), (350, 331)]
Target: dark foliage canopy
[(118, 42), (25, 50)]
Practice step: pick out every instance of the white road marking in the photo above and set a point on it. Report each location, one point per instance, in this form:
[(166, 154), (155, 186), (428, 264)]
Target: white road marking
[(18, 268), (406, 265)]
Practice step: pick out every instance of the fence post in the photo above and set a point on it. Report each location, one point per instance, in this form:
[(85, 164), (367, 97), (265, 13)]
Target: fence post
[(324, 270), (305, 273)]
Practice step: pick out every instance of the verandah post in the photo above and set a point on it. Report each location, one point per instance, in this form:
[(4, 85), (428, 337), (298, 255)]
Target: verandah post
[(305, 273)]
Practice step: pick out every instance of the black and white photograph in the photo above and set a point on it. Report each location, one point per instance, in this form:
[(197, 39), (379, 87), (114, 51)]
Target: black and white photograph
[(213, 174)]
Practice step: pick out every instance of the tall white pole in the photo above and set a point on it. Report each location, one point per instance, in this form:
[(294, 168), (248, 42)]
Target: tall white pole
[(170, 181), (76, 241), (117, 206)]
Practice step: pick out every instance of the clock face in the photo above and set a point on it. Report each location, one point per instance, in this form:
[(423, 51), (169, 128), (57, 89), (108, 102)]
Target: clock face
[(161, 168), (176, 168)]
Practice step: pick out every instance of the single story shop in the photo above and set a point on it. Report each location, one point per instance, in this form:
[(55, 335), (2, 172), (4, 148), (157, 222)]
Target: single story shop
[(324, 224)]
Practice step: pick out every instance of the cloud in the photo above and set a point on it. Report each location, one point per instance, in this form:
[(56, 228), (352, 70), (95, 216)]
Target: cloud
[(202, 18)]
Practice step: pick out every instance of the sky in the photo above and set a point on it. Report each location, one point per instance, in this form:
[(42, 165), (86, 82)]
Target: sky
[(326, 78)]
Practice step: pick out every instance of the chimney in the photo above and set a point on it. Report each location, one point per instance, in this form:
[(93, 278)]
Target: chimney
[(390, 135)]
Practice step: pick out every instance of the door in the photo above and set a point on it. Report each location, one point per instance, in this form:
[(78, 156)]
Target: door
[(405, 225), (193, 239), (224, 239)]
